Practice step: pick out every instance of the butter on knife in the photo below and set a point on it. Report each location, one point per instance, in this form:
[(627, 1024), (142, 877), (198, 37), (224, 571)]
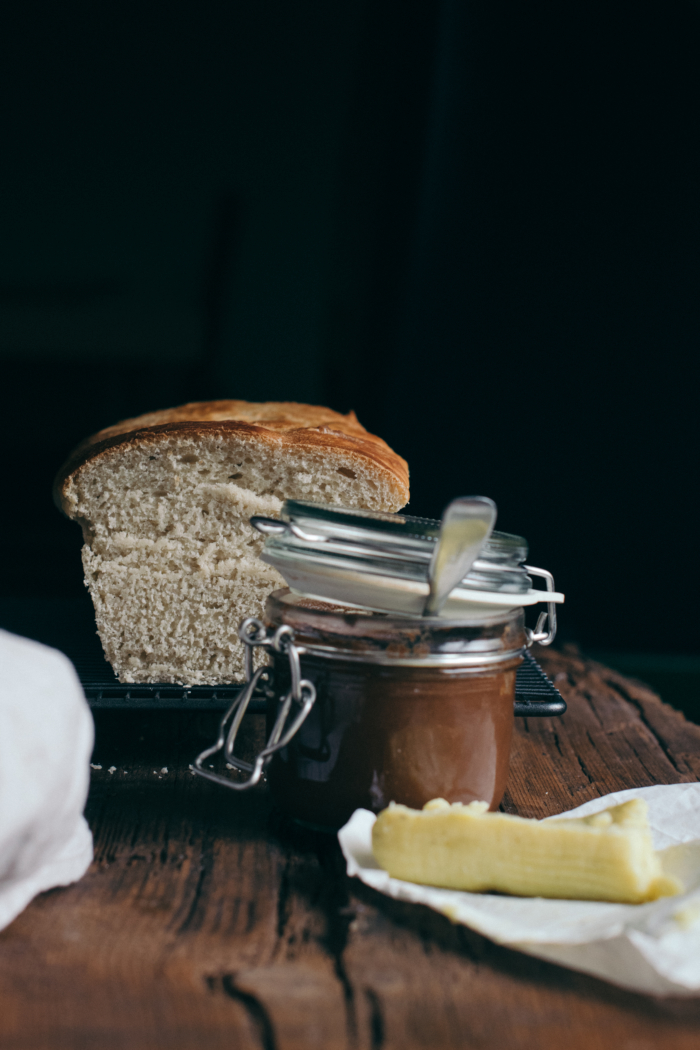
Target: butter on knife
[(608, 856)]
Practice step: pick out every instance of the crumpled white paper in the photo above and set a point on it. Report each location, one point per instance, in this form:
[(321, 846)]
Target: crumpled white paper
[(46, 736), (653, 948)]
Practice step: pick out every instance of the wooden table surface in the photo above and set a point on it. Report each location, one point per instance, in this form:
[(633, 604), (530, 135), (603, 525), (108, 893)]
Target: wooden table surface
[(206, 921)]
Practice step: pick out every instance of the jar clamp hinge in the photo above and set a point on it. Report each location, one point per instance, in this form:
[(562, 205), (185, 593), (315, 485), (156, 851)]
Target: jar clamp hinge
[(302, 693), (548, 618)]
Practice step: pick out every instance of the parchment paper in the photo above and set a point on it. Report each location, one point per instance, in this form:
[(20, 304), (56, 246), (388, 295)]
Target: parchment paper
[(653, 948)]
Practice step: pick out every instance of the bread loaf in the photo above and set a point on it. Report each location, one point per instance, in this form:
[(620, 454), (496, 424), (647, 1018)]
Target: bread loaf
[(164, 500)]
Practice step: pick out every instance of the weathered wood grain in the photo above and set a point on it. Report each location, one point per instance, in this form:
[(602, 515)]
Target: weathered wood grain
[(207, 921)]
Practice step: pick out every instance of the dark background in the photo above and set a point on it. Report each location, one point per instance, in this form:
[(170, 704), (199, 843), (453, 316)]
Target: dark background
[(476, 223)]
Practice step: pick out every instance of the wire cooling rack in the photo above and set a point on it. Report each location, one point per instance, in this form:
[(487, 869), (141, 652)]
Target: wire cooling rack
[(535, 694), (69, 625)]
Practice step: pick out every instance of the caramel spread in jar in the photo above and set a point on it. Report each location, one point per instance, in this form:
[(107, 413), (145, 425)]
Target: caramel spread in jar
[(394, 657), (407, 709)]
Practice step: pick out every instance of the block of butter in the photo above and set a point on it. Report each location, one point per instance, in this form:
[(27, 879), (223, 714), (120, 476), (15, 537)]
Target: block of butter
[(608, 856)]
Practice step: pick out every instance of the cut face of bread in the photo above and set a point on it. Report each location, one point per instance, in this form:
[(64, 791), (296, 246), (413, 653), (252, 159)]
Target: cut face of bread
[(164, 501)]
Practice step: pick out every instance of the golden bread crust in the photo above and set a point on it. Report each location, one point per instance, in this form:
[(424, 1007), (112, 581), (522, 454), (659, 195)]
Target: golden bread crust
[(275, 423)]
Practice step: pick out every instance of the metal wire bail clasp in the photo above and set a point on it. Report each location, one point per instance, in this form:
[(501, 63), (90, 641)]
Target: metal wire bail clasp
[(302, 693), (549, 618)]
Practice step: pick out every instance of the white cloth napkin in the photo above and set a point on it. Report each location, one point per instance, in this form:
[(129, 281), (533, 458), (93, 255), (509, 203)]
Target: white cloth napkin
[(652, 948), (46, 736)]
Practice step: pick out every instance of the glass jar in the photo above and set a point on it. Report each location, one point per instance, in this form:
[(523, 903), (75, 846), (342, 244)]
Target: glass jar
[(394, 658), (406, 709)]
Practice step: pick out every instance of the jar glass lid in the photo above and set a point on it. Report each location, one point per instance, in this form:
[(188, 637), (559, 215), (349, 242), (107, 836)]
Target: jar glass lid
[(383, 561)]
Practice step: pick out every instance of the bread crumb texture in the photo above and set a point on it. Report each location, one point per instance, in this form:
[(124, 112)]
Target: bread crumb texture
[(170, 559), (607, 856)]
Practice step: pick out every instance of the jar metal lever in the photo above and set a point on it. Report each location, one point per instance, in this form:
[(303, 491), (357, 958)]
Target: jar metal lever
[(301, 693), (540, 635)]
